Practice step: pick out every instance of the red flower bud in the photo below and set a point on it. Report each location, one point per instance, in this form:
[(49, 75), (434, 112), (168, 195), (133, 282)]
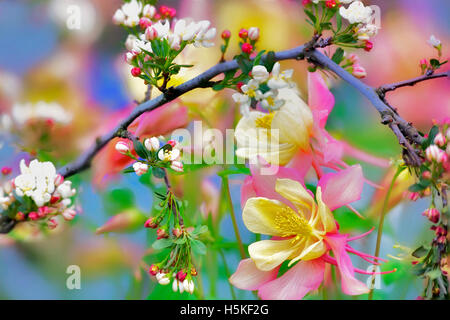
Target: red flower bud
[(432, 214), (6, 171), (331, 4), (136, 72), (153, 270), (181, 275), (161, 234), (151, 224), (239, 86), (226, 34), (144, 23), (243, 33), (33, 216), (177, 232), (247, 48), (368, 45)]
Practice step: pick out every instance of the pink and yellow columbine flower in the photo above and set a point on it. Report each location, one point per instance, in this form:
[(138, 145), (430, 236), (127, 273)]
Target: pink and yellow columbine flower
[(303, 232), (295, 135)]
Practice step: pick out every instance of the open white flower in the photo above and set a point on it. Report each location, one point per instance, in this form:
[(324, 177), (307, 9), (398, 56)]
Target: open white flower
[(434, 42), (36, 181), (205, 34), (162, 28), (279, 79), (132, 11), (185, 31), (66, 190), (357, 13), (270, 100)]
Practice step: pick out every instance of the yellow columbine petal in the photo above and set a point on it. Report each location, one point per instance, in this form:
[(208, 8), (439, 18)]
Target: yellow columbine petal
[(260, 215), (297, 194), (326, 217), (310, 251), (294, 119), (268, 254)]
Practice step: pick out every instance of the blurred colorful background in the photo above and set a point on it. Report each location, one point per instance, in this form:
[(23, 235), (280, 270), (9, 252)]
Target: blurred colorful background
[(83, 74)]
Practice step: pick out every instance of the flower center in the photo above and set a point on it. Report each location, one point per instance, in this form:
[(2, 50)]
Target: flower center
[(265, 121), (290, 223)]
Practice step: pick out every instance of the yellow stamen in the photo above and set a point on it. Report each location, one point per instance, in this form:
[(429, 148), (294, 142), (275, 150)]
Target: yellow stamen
[(265, 121), (291, 224)]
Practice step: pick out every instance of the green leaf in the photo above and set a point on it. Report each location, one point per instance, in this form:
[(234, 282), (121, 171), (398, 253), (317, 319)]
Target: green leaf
[(338, 22), (270, 61), (218, 87), (161, 244), (198, 247), (421, 185), (258, 57), (158, 172), (433, 133), (338, 56), (311, 15), (199, 230), (140, 149), (346, 38), (420, 252)]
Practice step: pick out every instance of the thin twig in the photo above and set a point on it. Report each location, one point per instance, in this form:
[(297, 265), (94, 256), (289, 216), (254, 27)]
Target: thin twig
[(409, 83)]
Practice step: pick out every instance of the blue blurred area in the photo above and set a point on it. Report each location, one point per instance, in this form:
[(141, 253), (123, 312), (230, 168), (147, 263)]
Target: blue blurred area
[(26, 34)]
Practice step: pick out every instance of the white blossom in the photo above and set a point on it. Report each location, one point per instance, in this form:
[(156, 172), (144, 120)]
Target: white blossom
[(66, 190), (140, 168), (434, 42), (260, 73), (279, 79), (356, 13), (21, 113)]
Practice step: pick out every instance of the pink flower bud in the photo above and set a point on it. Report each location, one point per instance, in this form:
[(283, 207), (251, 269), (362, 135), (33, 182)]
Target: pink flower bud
[(69, 214), (439, 140), (52, 224), (173, 143), (424, 63), (140, 168), (161, 234), (122, 147), (54, 199), (253, 33), (177, 166), (152, 144), (353, 57), (59, 180), (177, 232), (306, 2), (136, 72), (433, 153), (432, 214), (226, 34), (426, 175), (149, 11), (151, 33), (43, 211), (359, 72), (243, 33), (414, 196), (151, 224), (144, 23), (33, 216)]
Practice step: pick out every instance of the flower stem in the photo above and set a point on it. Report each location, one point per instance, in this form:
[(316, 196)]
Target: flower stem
[(233, 218), (227, 272), (381, 223)]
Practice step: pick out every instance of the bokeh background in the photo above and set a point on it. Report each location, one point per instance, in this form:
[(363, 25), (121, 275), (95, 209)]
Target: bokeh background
[(84, 71)]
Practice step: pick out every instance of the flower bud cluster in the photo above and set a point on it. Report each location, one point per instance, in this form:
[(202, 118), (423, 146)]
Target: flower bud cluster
[(155, 154)]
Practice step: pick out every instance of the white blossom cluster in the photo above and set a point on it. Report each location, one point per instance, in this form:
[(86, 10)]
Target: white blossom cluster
[(363, 16), (49, 193), (269, 100), (22, 113), (177, 285)]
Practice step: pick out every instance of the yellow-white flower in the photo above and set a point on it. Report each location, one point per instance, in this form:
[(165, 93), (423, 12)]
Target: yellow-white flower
[(303, 229), (276, 136), (279, 79)]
